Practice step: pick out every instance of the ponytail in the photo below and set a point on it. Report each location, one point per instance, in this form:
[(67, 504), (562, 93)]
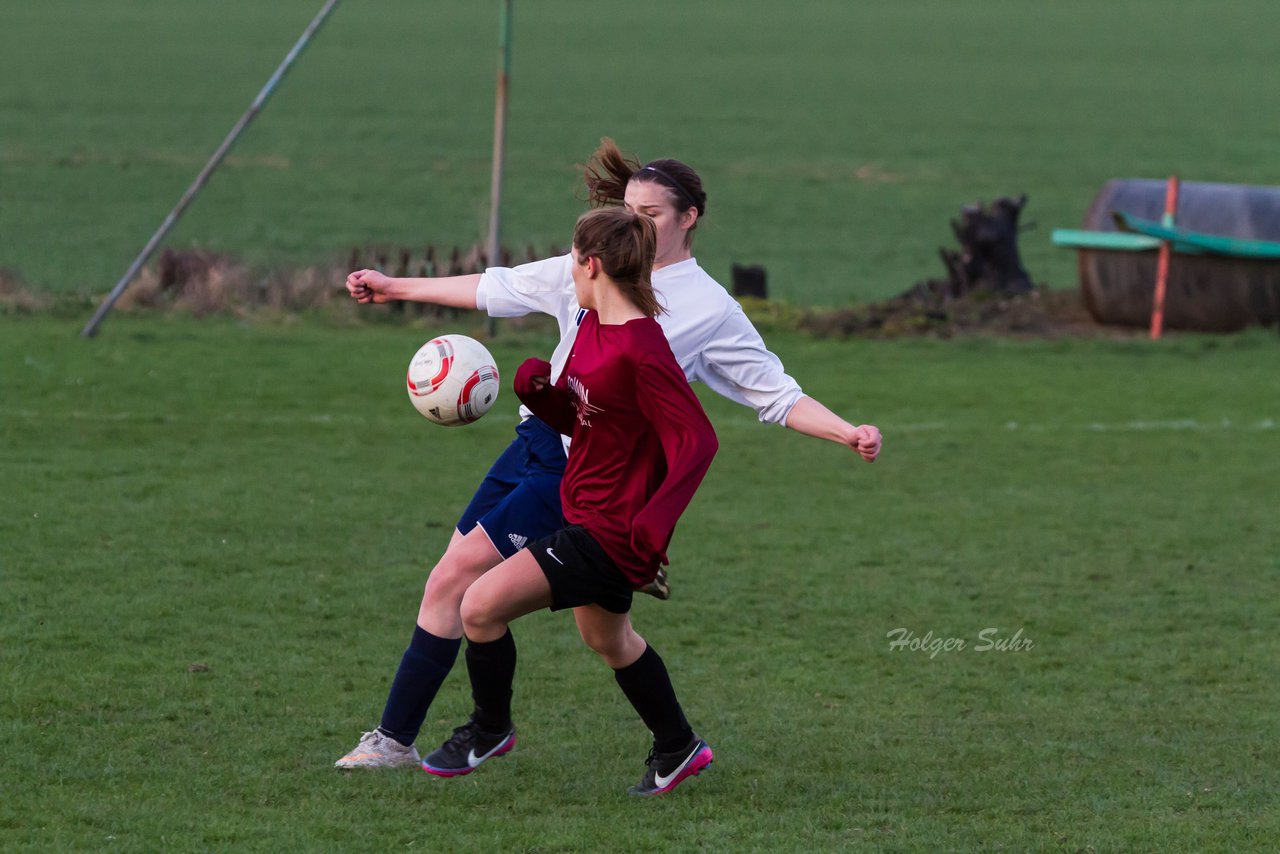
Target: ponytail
[(607, 173)]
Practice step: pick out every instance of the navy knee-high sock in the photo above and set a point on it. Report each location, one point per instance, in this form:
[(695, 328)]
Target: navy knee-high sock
[(648, 686), (492, 668), (423, 668)]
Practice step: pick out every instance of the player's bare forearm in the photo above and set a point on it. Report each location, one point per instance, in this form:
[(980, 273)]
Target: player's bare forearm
[(371, 286), (811, 418), (452, 291)]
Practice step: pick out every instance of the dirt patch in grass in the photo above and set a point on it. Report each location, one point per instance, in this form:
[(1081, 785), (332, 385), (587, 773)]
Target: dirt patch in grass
[(1040, 313), (14, 296)]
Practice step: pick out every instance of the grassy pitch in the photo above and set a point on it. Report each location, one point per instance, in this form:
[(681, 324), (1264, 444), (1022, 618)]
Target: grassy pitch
[(836, 138), (215, 536)]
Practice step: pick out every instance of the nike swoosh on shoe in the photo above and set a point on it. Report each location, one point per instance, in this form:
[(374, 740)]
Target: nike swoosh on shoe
[(662, 781), (473, 760)]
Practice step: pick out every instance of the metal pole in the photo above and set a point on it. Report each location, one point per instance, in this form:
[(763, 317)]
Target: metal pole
[(197, 185), (494, 249)]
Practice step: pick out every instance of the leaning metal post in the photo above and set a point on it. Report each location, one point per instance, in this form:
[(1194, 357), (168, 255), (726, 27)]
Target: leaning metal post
[(494, 249), (197, 185)]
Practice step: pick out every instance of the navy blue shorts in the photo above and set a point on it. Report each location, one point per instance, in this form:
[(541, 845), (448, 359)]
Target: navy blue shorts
[(519, 499)]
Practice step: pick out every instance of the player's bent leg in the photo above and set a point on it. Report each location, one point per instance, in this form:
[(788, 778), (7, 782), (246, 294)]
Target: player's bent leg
[(678, 752), (528, 511), (513, 588), (510, 590), (431, 654), (468, 557), (609, 635), (517, 500)]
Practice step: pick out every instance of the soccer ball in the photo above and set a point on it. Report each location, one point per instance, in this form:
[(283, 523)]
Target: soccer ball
[(452, 380)]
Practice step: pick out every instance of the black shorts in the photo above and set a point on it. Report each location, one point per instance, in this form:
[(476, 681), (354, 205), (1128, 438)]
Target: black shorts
[(580, 572)]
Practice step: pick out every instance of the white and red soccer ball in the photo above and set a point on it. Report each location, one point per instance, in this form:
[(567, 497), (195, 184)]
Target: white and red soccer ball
[(452, 380)]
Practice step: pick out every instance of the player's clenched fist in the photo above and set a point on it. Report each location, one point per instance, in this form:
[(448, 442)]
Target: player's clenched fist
[(867, 441), (367, 286)]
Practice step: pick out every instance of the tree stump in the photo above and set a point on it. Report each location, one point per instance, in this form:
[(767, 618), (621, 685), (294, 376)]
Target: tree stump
[(988, 260)]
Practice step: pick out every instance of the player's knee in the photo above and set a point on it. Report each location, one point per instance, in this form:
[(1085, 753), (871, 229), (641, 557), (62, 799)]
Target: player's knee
[(448, 581), (608, 644), (477, 614), (472, 617)]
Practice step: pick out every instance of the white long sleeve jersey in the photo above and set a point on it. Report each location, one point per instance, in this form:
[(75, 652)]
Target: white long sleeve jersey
[(709, 334)]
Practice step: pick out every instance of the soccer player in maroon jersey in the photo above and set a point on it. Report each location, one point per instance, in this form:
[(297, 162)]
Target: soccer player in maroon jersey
[(641, 445)]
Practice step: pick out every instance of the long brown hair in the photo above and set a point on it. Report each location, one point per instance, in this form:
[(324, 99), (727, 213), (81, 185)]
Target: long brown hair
[(608, 171), (625, 243)]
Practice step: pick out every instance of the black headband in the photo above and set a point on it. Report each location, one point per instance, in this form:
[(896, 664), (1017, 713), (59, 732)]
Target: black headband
[(675, 185)]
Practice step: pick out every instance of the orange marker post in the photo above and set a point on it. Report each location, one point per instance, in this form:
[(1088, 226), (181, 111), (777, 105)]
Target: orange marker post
[(1162, 265)]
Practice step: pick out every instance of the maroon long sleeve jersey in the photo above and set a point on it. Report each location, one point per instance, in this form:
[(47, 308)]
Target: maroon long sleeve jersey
[(641, 442)]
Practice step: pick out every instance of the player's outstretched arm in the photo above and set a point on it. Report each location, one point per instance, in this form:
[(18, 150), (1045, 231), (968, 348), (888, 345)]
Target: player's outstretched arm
[(371, 286), (735, 363), (811, 418)]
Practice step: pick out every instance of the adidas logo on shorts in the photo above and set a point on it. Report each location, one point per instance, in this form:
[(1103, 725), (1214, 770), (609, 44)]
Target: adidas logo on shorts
[(518, 540)]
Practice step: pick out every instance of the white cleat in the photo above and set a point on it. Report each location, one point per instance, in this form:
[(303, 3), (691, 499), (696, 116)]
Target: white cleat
[(376, 750)]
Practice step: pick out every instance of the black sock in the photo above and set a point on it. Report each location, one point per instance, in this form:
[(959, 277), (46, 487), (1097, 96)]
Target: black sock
[(492, 667), (423, 668), (648, 686)]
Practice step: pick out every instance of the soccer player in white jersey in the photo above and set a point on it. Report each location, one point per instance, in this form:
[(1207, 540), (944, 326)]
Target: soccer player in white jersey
[(518, 501)]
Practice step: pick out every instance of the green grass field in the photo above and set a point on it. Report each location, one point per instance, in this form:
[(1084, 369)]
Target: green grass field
[(214, 533), (837, 138), (263, 501)]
